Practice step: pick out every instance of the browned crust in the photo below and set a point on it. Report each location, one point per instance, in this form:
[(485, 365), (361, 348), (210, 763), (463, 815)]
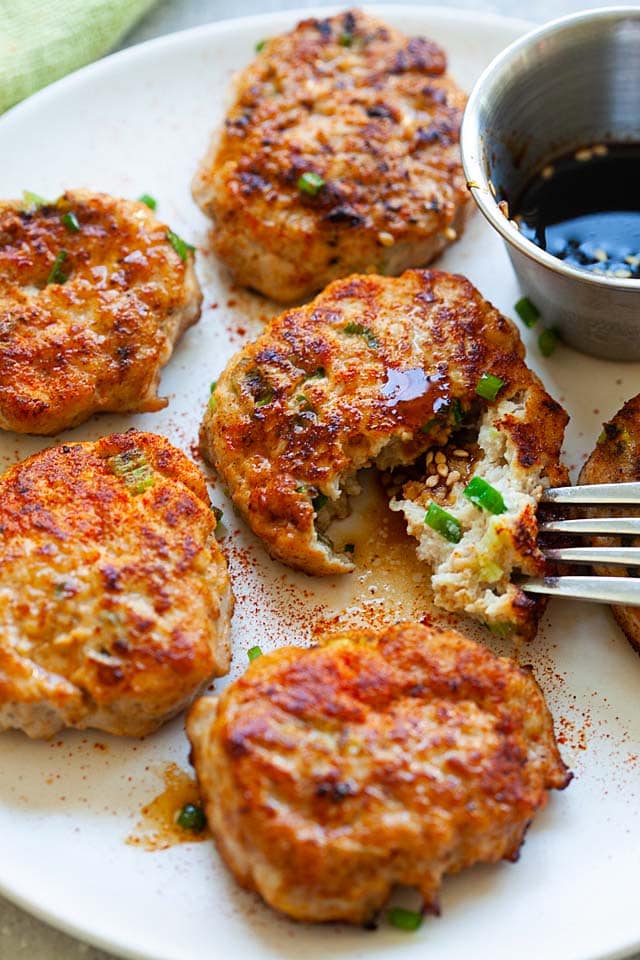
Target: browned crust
[(331, 774), (115, 605), (98, 341), (616, 459), (374, 114)]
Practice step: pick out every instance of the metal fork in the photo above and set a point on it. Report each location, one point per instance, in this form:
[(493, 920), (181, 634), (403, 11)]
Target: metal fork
[(601, 589)]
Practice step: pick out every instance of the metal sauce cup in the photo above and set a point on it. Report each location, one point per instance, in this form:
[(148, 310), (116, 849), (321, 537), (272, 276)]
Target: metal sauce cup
[(570, 84)]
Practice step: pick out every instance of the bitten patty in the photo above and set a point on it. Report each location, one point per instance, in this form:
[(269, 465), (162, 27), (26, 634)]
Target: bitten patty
[(93, 296), (339, 155), (115, 602), (616, 459), (332, 774), (378, 371)]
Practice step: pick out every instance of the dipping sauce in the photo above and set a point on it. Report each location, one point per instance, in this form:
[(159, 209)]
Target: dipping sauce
[(584, 208)]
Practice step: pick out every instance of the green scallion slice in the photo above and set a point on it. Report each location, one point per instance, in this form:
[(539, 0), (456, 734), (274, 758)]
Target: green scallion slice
[(132, 466), (403, 919), (346, 40), (443, 523), (33, 200), (457, 411), (489, 386), (265, 397), (484, 495), (253, 653), (358, 330), (310, 183), (260, 45), (71, 222), (527, 311), (319, 502), (57, 274), (349, 548), (548, 341), (180, 246), (317, 374), (148, 201), (192, 818)]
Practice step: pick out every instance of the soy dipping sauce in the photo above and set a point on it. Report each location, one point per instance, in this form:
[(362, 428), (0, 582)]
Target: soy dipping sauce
[(584, 208)]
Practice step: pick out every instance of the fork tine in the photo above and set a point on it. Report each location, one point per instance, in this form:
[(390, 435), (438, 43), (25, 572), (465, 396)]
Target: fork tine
[(625, 590), (595, 493), (603, 525), (625, 555)]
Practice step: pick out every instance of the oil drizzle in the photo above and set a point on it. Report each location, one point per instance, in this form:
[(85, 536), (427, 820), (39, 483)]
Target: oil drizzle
[(157, 828)]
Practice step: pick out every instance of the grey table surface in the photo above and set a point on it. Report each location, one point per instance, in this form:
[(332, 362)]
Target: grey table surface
[(22, 935)]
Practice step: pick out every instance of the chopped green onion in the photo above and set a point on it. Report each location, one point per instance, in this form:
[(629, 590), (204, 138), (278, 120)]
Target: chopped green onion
[(345, 39), (265, 398), (404, 919), (57, 274), (310, 183), (489, 386), (443, 523), (527, 311), (192, 818), (132, 466), (484, 495), (180, 246), (214, 384), (33, 200), (349, 547), (319, 502), (71, 222), (220, 527), (217, 512), (357, 329), (260, 45), (501, 628), (548, 341), (254, 653), (317, 374), (458, 411), (148, 201), (426, 427)]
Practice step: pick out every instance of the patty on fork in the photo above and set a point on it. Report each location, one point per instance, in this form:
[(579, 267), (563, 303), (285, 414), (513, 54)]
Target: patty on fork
[(388, 372)]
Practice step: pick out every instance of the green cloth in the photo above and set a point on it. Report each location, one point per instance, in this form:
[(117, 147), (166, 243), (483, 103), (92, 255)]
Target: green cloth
[(42, 40)]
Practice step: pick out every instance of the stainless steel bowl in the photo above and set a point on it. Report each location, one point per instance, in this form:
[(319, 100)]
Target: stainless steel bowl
[(572, 83)]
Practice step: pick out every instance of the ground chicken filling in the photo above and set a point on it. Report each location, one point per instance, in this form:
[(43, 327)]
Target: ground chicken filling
[(475, 573)]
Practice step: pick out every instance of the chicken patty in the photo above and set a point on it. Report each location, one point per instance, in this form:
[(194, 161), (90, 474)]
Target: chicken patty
[(332, 774), (339, 155), (115, 602), (94, 293), (616, 459), (379, 371)]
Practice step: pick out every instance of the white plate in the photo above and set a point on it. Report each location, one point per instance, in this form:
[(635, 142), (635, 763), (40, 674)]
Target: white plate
[(139, 122)]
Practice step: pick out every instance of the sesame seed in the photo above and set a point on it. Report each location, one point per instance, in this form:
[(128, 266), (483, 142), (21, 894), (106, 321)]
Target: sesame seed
[(492, 188), (443, 469), (600, 149), (461, 453), (621, 274), (547, 172), (450, 233), (429, 457), (386, 239), (431, 481), (600, 255), (453, 477), (632, 261), (582, 155), (440, 457), (503, 207)]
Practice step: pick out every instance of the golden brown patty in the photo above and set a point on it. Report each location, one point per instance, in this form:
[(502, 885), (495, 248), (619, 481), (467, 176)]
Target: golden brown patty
[(616, 459), (376, 371), (115, 602), (333, 773), (370, 121), (93, 297)]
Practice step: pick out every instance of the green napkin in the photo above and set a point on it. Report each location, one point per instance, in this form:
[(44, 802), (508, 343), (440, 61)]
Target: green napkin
[(41, 40)]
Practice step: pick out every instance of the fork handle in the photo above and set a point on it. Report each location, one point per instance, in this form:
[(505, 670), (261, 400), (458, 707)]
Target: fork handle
[(624, 590)]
